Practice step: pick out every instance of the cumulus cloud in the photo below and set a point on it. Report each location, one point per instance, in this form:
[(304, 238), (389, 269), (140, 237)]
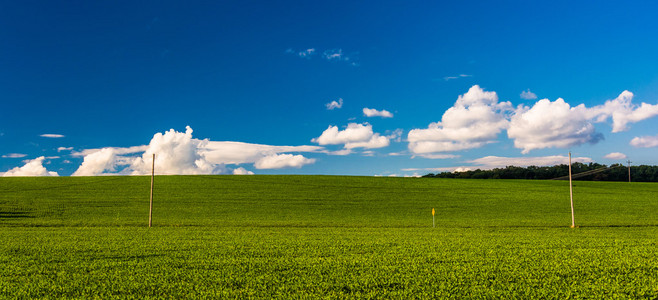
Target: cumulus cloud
[(31, 168), (623, 111), (556, 124), (371, 112), (615, 155), (645, 141), (335, 104), (354, 136), (279, 161), (528, 95), (14, 155), (52, 135), (180, 153), (551, 124), (475, 119)]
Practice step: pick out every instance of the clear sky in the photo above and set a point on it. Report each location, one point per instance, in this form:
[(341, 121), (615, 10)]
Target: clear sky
[(390, 88)]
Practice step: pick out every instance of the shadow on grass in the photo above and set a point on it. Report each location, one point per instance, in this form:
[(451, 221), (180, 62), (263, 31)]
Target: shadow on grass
[(15, 214)]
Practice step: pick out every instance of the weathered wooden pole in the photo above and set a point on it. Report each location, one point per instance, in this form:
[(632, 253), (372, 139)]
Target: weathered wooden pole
[(573, 221), (151, 200)]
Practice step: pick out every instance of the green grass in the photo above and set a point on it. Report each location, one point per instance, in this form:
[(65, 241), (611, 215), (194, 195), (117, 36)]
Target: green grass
[(326, 236)]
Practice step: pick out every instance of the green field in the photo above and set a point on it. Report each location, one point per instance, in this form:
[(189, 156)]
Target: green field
[(326, 236)]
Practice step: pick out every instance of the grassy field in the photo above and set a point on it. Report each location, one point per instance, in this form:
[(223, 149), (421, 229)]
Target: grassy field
[(326, 236)]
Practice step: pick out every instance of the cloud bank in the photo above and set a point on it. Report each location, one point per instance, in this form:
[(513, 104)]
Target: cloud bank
[(477, 118), (180, 153)]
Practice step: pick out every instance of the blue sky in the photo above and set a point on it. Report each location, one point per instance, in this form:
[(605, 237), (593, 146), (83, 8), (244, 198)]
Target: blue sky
[(105, 83)]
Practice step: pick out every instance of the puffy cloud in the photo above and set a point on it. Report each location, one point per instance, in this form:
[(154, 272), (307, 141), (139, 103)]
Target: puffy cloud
[(14, 155), (528, 95), (242, 171), (623, 112), (60, 149), (52, 135), (556, 124), (645, 142), (551, 124), (180, 153), (354, 136), (475, 119), (279, 161), (335, 104), (371, 112), (615, 155), (98, 162), (31, 168)]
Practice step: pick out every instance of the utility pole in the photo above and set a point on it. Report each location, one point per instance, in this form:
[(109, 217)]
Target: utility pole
[(151, 201), (629, 170), (573, 221)]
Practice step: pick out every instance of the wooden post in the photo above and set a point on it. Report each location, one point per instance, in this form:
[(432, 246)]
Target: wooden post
[(629, 170), (573, 221), (151, 201)]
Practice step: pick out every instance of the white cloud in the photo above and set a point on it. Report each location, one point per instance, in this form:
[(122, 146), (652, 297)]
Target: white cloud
[(60, 149), (354, 136), (528, 95), (475, 119), (456, 77), (52, 135), (615, 155), (551, 124), (98, 162), (371, 112), (556, 124), (335, 104), (334, 54), (180, 153), (645, 142), (14, 155), (279, 161), (623, 112), (242, 171), (31, 168), (304, 53)]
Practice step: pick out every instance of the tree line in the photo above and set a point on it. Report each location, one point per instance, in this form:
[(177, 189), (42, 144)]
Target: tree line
[(580, 171)]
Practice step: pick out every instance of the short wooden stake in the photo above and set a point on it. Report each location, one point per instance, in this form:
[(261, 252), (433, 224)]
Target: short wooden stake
[(151, 200)]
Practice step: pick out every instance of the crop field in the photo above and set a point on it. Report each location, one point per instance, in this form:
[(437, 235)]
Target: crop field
[(326, 237)]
